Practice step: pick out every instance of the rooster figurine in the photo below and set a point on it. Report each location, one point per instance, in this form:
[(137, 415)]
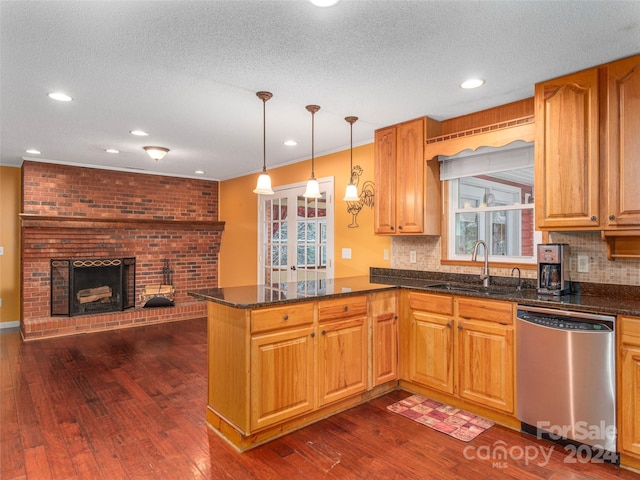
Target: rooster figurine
[(366, 196)]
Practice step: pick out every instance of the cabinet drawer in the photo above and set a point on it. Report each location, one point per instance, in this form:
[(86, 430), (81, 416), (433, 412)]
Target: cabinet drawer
[(281, 317), (427, 302), (338, 308), (492, 310), (630, 327)]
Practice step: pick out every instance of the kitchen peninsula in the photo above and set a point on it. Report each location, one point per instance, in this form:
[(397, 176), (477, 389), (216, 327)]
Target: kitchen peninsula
[(282, 359)]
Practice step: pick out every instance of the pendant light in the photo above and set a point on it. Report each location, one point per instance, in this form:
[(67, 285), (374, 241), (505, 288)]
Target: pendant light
[(264, 180), (351, 192), (313, 187)]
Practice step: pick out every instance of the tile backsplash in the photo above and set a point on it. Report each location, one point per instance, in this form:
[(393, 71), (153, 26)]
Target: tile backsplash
[(601, 270)]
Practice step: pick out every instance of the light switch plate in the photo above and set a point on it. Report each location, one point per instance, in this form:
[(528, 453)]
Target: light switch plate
[(346, 253), (1, 250), (583, 263)]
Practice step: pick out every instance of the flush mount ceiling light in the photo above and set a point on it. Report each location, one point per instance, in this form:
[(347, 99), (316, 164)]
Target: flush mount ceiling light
[(264, 180), (472, 83), (59, 96), (351, 192), (199, 172), (112, 150), (324, 3), (290, 143), (313, 187), (157, 153), (139, 133), (33, 151)]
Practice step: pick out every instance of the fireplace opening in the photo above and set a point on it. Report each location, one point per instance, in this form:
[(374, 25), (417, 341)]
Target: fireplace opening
[(90, 286)]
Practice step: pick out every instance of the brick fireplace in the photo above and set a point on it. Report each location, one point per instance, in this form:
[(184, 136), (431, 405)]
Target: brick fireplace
[(79, 213)]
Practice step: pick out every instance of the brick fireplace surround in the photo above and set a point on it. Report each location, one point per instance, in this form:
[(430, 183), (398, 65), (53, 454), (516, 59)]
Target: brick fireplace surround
[(76, 212)]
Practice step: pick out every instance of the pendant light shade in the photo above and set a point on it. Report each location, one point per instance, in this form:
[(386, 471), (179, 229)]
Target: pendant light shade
[(313, 187), (264, 180), (351, 192), (157, 153)]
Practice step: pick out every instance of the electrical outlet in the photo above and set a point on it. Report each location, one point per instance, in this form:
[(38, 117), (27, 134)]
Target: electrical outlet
[(385, 254), (583, 263), (412, 256)]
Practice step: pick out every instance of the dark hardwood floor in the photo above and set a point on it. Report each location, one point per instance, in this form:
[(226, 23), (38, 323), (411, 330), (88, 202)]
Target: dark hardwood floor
[(130, 404)]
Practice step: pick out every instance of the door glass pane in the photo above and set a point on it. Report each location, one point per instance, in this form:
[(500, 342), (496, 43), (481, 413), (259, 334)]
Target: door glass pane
[(275, 246)]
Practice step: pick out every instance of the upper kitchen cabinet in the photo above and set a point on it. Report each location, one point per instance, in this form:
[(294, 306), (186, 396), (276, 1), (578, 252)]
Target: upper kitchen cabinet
[(586, 153), (407, 188), (623, 143), (567, 152)]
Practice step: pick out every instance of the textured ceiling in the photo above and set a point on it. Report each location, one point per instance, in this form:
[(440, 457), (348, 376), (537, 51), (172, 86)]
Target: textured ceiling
[(187, 72)]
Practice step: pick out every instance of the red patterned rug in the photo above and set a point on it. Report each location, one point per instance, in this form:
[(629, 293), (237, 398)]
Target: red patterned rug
[(457, 423)]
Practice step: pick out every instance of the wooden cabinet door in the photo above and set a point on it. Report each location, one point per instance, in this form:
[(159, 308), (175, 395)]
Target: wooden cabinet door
[(630, 398), (486, 363), (431, 350), (624, 142), (342, 359), (282, 375), (629, 385), (567, 151), (410, 177), (384, 206), (384, 337)]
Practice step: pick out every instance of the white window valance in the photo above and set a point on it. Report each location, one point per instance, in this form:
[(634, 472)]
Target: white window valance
[(487, 160)]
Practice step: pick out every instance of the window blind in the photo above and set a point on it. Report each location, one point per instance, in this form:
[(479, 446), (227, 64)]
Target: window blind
[(487, 160)]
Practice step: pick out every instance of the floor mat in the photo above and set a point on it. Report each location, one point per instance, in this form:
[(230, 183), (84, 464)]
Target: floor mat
[(444, 418)]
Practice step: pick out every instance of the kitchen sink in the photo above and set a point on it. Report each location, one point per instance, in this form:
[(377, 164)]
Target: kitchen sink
[(464, 288)]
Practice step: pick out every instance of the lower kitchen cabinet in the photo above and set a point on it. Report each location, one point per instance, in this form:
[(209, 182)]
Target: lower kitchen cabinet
[(463, 347), (430, 356), (383, 310), (342, 348), (282, 375), (629, 389), (485, 353)]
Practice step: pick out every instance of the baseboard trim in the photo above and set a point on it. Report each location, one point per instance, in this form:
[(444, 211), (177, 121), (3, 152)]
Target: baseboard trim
[(13, 324)]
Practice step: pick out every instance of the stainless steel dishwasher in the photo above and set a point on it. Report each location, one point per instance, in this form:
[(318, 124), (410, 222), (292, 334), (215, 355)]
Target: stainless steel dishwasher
[(565, 376)]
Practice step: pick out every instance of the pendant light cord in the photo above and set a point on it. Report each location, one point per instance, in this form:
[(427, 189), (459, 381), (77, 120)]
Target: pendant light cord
[(264, 96), (313, 109), (351, 121)]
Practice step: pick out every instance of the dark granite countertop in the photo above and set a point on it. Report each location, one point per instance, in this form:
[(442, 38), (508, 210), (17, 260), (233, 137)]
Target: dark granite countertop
[(595, 298), (254, 296)]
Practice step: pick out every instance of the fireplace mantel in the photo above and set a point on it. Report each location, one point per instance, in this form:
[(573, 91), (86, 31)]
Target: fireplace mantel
[(44, 221)]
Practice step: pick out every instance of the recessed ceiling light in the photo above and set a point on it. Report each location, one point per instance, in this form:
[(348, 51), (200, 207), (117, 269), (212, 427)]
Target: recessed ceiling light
[(33, 151), (290, 143), (112, 150), (61, 97), (139, 133), (472, 83), (324, 3), (199, 172)]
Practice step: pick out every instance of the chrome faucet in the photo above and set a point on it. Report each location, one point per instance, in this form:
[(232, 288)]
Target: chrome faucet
[(519, 286), (484, 275)]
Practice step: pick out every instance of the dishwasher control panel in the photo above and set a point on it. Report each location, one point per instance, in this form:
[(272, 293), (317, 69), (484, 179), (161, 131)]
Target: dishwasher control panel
[(567, 320)]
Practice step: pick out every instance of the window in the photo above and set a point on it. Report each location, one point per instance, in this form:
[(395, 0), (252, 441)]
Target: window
[(491, 198)]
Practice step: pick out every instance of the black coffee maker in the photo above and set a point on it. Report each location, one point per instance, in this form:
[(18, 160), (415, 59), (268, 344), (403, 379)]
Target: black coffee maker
[(553, 268)]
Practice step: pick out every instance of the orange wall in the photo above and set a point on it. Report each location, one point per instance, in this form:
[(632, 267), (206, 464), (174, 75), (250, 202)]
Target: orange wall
[(10, 181), (239, 209)]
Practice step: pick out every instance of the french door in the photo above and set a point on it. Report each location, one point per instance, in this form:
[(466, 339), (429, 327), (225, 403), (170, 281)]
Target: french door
[(295, 240)]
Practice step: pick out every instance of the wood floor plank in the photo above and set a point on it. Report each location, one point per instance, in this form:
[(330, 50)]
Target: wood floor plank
[(130, 404)]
